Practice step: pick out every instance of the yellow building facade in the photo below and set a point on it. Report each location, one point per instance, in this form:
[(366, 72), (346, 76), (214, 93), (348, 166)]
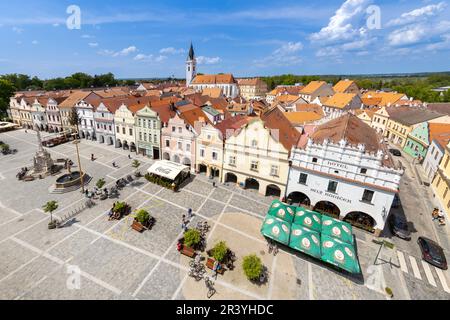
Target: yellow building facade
[(441, 182)]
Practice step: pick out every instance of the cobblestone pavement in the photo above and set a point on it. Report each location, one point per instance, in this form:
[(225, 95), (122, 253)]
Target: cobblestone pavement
[(116, 262)]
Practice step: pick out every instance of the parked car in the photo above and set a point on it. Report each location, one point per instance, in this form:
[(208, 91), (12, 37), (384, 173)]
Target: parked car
[(399, 227), (395, 152), (432, 253)]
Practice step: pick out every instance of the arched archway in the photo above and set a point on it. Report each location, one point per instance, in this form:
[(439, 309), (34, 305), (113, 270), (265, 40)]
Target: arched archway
[(110, 141), (230, 177), (132, 147), (176, 159), (361, 220), (202, 168), (101, 139), (328, 208), (273, 190), (118, 143), (251, 183), (187, 162), (298, 198), (125, 145), (166, 156), (215, 172)]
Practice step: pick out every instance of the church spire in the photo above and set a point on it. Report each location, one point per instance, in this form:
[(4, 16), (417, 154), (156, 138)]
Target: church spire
[(191, 52)]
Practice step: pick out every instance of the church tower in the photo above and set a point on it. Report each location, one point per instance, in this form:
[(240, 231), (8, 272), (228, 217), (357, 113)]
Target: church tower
[(191, 66)]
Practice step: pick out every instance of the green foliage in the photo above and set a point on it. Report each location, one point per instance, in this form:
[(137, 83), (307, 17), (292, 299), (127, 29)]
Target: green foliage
[(135, 164), (252, 266), (389, 291), (4, 147), (100, 183), (142, 216), (220, 250), (50, 206), (159, 181), (6, 91), (192, 237), (120, 207)]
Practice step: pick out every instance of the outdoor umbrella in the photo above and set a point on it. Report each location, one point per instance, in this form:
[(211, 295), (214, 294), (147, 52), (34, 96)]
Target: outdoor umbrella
[(305, 240), (309, 219), (337, 229), (276, 229), (340, 254), (281, 210)]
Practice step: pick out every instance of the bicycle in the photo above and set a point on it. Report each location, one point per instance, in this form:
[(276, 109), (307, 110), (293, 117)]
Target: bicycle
[(210, 286), (197, 270)]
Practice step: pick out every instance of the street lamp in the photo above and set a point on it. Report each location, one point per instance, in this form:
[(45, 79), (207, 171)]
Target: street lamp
[(76, 142)]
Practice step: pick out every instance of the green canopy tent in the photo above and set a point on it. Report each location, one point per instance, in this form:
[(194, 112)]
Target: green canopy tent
[(276, 229), (281, 210), (309, 219), (305, 240), (337, 229), (340, 254)]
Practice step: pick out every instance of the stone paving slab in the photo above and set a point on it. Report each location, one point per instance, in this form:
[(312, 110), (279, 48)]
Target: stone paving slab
[(24, 279), (21, 224), (182, 198), (249, 205), (198, 186), (162, 284), (55, 288), (115, 264), (221, 194), (13, 256), (79, 241), (211, 208)]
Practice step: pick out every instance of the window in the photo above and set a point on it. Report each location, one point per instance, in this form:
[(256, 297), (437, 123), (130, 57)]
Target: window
[(131, 132), (140, 122), (140, 135), (332, 186), (232, 161), (202, 153), (154, 124), (110, 128), (180, 130), (155, 139), (303, 178), (363, 171), (438, 182), (173, 129), (274, 171), (188, 147), (167, 143), (367, 196), (117, 129), (180, 145), (445, 193), (254, 166), (123, 130), (145, 137), (254, 143), (446, 162), (214, 155), (314, 160)]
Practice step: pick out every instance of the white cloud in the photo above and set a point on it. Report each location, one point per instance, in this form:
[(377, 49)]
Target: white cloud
[(441, 45), (408, 35), (87, 36), (55, 25), (34, 42), (93, 44), (286, 55), (149, 58), (341, 25), (171, 50), (125, 51), (17, 30), (208, 60), (106, 52), (418, 14)]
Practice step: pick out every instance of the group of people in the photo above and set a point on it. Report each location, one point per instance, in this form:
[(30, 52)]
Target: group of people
[(439, 216), (185, 221), (113, 215)]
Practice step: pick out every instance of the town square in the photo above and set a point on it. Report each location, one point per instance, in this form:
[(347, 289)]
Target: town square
[(300, 153)]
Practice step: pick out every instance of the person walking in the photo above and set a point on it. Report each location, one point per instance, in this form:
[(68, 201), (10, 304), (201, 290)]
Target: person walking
[(190, 213), (92, 157), (129, 156)]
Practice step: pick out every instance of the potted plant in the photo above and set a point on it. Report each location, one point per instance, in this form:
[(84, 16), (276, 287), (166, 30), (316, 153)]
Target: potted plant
[(219, 251), (389, 292), (135, 164), (121, 208), (142, 220), (100, 183), (50, 207), (192, 238), (253, 267)]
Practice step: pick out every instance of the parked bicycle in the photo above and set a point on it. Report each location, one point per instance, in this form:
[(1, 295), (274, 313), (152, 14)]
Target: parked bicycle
[(203, 227), (197, 270), (210, 286)]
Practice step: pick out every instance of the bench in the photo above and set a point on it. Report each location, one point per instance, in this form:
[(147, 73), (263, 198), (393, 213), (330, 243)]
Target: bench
[(187, 251), (138, 226), (210, 265)]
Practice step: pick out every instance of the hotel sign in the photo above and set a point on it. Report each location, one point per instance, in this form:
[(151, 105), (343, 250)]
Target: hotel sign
[(331, 195), (336, 165)]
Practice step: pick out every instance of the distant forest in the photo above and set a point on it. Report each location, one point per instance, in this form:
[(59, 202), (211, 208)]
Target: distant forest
[(417, 86)]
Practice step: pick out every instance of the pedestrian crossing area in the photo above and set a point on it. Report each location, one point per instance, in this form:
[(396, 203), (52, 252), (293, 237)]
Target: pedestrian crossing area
[(418, 268)]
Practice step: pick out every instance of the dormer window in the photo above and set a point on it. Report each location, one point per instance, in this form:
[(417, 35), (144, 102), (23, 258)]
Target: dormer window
[(363, 171), (314, 160)]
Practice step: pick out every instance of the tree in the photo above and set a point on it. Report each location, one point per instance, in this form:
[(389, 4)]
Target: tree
[(50, 207), (142, 216), (252, 266), (220, 250), (100, 183), (6, 91), (192, 238), (135, 164), (74, 119)]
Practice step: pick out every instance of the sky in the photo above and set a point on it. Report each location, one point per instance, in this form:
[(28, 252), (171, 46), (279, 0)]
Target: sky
[(147, 38)]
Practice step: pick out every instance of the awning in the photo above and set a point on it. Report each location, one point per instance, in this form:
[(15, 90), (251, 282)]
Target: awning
[(305, 240), (276, 229), (309, 219), (337, 229), (167, 169), (340, 254), (281, 210)]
